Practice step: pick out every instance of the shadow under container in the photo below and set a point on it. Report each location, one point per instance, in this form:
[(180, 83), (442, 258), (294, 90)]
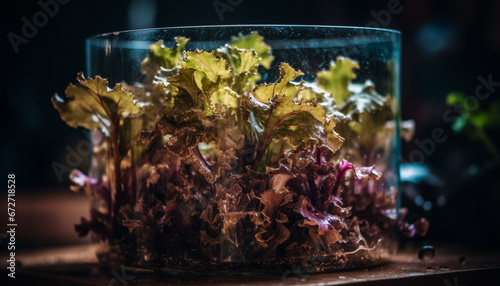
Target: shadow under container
[(240, 162)]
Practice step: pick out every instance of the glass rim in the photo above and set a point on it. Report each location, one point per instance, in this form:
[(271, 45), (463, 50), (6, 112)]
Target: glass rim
[(331, 27)]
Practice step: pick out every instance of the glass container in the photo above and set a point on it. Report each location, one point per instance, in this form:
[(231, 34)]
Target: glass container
[(256, 148)]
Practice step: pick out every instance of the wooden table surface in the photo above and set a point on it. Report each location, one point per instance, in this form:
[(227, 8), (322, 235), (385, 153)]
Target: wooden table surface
[(77, 265)]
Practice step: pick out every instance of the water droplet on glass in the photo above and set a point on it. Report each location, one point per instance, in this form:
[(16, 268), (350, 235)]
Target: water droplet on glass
[(444, 268), (461, 259), (430, 268), (427, 252)]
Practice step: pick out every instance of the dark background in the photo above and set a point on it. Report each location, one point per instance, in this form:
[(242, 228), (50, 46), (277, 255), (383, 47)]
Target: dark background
[(446, 45)]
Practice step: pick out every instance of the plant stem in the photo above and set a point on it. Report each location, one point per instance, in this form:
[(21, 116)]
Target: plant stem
[(261, 148), (343, 168), (201, 160), (115, 134)]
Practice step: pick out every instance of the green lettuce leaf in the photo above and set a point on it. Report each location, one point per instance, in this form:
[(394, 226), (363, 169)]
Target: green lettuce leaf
[(254, 41), (92, 105), (240, 60), (264, 93), (244, 65), (201, 75), (154, 99), (295, 123), (163, 59), (301, 122), (366, 115), (363, 102), (211, 72), (291, 113), (337, 78), (226, 97)]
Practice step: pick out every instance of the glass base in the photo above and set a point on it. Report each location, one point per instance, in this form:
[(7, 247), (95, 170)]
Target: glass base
[(363, 258)]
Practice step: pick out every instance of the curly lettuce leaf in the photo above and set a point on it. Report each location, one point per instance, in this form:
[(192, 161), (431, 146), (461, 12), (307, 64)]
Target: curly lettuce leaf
[(283, 111), (323, 227), (209, 70), (186, 131), (202, 111), (264, 93), (254, 41), (163, 59), (320, 185), (336, 79), (201, 74), (244, 66), (364, 102), (296, 123), (274, 200), (92, 105), (364, 125), (301, 122), (226, 97)]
